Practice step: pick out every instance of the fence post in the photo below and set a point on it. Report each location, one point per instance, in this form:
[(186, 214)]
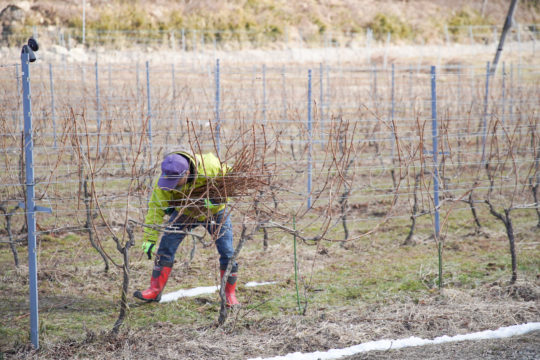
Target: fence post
[(183, 40), (321, 101), (458, 96), (30, 201), (328, 93), (109, 89), (84, 23), (83, 84), (218, 125), (392, 112), (149, 110), (264, 93), (369, 38), (484, 117), (284, 93), (98, 110), (137, 77), (434, 136), (411, 100), (385, 57), (518, 28), (503, 105), (310, 140), (53, 110), (173, 79), (511, 101), (21, 124), (458, 108)]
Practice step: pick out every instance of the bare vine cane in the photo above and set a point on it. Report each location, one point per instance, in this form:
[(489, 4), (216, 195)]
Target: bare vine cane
[(124, 250)]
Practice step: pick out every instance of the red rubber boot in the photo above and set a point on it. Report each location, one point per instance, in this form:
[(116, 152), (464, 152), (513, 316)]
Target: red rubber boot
[(157, 283), (230, 287)]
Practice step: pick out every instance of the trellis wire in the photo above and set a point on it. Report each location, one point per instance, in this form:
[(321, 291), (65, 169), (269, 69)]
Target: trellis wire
[(284, 86)]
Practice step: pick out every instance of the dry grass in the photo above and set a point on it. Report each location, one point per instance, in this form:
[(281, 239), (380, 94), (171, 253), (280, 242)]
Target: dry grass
[(454, 312), (264, 20), (78, 300)]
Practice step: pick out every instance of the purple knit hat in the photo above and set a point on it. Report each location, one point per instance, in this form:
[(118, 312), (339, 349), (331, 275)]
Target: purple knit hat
[(173, 168)]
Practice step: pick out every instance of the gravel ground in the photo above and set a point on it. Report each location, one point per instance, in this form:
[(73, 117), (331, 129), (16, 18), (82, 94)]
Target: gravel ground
[(524, 347)]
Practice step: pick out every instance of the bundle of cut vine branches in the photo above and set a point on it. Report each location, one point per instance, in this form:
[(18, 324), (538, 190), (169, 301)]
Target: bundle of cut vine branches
[(248, 174)]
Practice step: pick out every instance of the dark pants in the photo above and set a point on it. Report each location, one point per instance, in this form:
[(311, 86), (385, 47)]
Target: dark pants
[(170, 241)]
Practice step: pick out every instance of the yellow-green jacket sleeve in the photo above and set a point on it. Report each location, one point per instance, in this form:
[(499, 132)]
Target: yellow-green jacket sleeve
[(159, 201)]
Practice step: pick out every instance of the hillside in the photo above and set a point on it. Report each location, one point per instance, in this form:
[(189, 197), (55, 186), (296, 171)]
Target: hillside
[(268, 21)]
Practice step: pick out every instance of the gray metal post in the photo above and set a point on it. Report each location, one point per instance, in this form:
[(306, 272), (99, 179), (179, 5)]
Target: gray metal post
[(385, 56), (434, 136), (328, 93), (472, 86), (109, 90), (310, 141), (374, 85), (98, 109), (458, 108), (511, 101), (503, 104), (137, 77), (183, 40), (369, 37), (264, 93), (21, 123), (534, 43), (459, 88), (30, 201), (284, 94), (321, 100), (392, 111), (83, 84), (518, 27), (506, 28), (53, 110), (84, 22), (149, 98), (411, 100), (173, 78), (218, 125), (484, 117)]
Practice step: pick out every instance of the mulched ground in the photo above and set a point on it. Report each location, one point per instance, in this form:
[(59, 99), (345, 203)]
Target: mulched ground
[(245, 336), (524, 347)]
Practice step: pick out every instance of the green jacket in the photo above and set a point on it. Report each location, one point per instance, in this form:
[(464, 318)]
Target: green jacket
[(207, 166)]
